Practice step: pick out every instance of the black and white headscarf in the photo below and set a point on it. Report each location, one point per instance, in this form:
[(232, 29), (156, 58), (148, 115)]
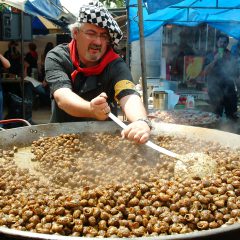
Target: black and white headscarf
[(97, 14)]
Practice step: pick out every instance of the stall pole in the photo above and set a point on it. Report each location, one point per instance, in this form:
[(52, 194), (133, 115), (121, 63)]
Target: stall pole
[(206, 45), (215, 39), (22, 66), (142, 53), (199, 39), (128, 45)]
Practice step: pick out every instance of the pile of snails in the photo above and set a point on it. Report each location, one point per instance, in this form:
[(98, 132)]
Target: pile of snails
[(99, 185)]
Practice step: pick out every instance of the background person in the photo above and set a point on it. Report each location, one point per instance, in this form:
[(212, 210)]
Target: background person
[(221, 74), (4, 64), (31, 59), (43, 90), (38, 95), (235, 51), (14, 57), (87, 78)]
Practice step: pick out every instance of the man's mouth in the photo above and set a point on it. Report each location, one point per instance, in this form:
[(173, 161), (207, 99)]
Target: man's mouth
[(94, 49), (91, 50)]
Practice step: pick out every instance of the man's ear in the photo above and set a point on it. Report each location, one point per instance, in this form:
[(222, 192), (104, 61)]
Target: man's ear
[(75, 32)]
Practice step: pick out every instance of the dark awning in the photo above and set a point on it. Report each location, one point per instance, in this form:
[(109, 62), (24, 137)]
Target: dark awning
[(42, 26)]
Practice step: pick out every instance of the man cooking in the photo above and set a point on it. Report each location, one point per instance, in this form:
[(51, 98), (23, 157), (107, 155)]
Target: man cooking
[(87, 78)]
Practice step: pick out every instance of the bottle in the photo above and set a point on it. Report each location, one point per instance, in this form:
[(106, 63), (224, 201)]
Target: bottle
[(190, 103)]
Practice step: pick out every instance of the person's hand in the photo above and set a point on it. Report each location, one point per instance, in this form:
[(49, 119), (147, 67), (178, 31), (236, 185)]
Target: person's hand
[(137, 131), (100, 107), (216, 57)]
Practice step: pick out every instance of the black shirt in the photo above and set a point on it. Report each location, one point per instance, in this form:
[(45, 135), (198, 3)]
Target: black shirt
[(115, 80), (14, 57), (223, 72), (32, 61)]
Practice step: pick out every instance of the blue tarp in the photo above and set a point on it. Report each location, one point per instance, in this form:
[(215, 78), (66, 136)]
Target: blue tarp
[(223, 15), (38, 28), (49, 9), (153, 5)]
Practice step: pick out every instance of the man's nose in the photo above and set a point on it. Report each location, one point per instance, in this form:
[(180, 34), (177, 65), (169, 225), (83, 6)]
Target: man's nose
[(98, 39)]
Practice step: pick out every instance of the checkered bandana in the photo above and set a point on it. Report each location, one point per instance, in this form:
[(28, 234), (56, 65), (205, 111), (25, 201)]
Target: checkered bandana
[(97, 14)]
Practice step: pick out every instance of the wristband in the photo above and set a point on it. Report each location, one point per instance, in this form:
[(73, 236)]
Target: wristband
[(147, 121)]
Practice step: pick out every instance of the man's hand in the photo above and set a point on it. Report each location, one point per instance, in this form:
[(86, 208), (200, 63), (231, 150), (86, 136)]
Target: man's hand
[(100, 107), (137, 131)]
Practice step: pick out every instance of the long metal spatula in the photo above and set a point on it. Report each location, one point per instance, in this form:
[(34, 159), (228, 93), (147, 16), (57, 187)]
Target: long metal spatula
[(188, 165), (148, 143)]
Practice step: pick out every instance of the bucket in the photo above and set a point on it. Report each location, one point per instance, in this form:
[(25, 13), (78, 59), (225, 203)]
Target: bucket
[(160, 100)]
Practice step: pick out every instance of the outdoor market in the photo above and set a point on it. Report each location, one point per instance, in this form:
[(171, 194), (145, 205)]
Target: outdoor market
[(119, 119)]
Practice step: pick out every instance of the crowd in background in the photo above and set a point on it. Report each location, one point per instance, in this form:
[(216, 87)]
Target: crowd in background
[(35, 95)]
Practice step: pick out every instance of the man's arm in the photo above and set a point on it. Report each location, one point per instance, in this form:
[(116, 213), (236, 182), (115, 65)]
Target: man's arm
[(5, 62), (211, 63), (209, 67), (76, 106), (133, 107)]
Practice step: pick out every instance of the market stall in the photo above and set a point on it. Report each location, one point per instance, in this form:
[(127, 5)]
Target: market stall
[(218, 15)]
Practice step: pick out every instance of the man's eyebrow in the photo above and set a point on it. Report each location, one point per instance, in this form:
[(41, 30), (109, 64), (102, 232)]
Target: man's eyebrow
[(91, 30)]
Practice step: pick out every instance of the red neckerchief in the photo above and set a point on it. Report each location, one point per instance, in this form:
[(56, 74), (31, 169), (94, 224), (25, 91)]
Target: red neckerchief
[(94, 70)]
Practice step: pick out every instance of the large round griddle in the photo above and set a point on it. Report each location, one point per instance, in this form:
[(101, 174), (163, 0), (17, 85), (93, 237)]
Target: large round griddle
[(24, 136)]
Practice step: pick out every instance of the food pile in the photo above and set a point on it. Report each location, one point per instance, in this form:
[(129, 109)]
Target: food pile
[(185, 117), (98, 185)]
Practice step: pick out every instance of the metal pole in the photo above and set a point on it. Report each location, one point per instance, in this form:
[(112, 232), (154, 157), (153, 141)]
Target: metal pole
[(22, 65), (128, 45), (215, 39), (142, 52), (206, 46), (199, 39)]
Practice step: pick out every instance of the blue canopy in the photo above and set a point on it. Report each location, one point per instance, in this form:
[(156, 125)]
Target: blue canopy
[(223, 15)]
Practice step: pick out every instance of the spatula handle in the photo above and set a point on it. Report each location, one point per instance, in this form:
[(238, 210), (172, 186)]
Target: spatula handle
[(162, 150), (148, 143), (117, 120)]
